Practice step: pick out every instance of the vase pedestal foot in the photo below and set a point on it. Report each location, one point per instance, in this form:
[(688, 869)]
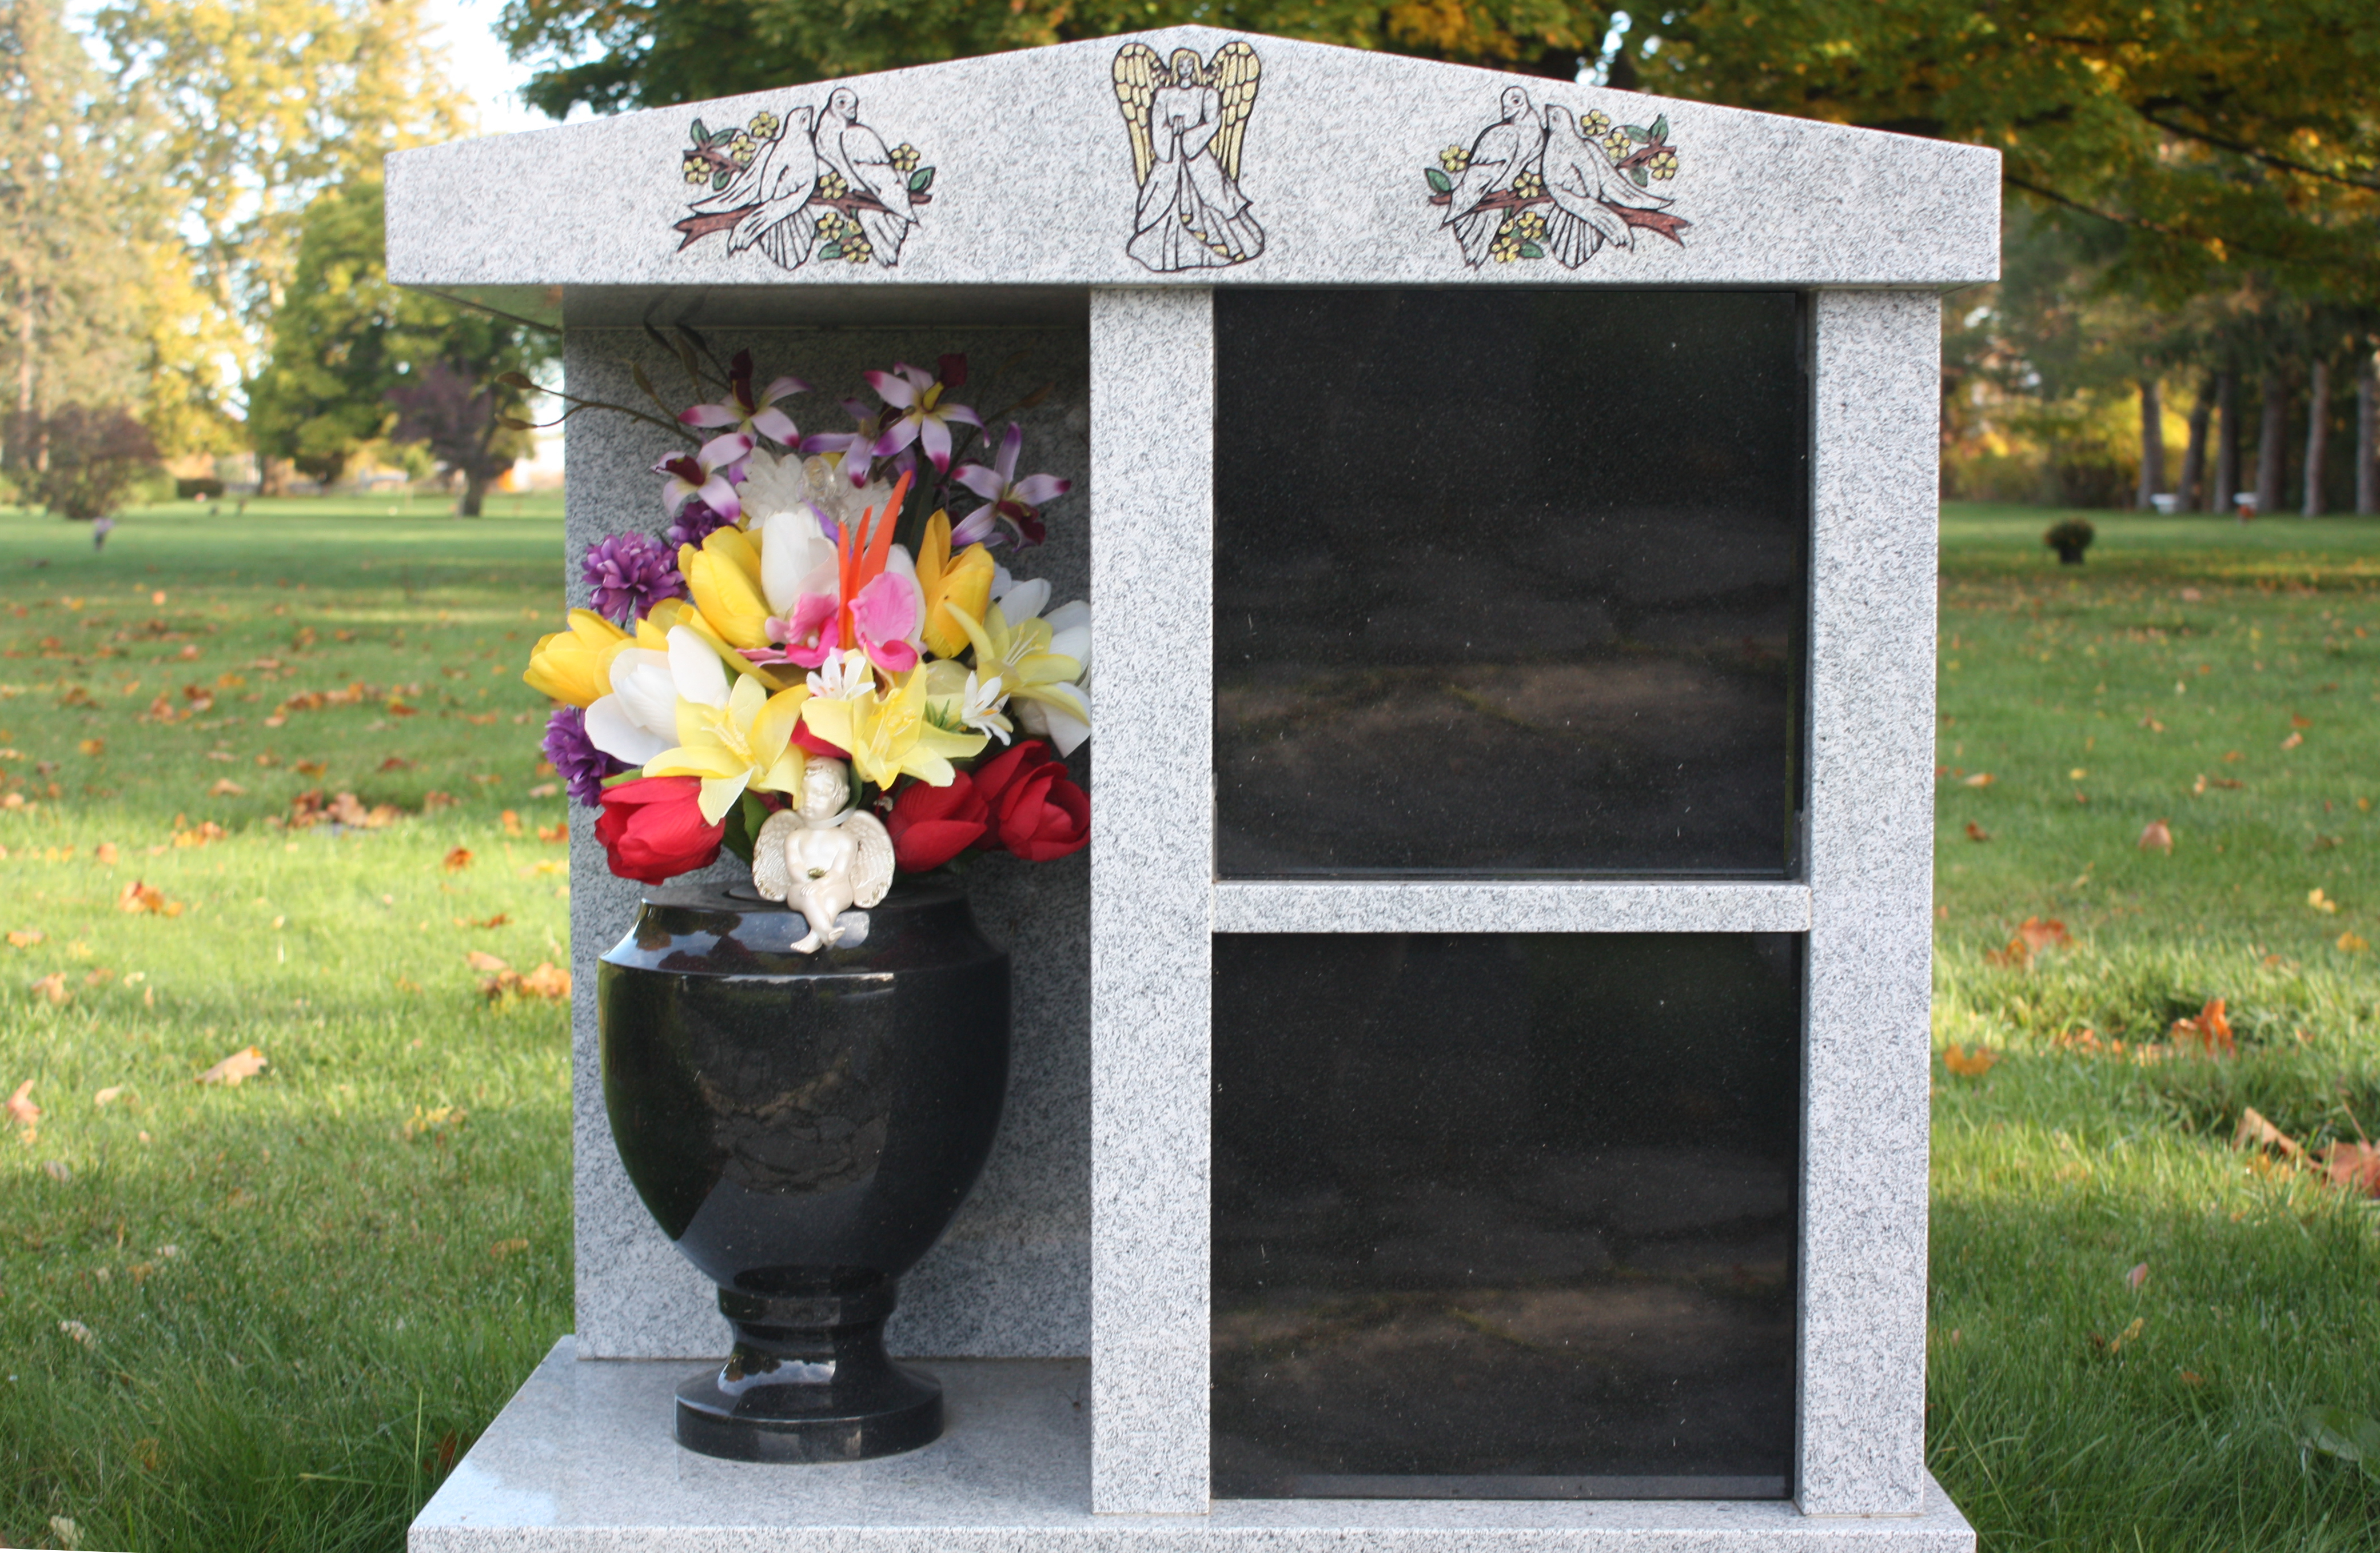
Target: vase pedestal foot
[(808, 1381)]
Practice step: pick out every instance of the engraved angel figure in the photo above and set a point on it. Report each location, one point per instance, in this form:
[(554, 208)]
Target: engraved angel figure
[(823, 861), (1188, 122)]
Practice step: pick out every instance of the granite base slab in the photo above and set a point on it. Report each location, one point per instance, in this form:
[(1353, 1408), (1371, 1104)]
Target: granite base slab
[(582, 1459)]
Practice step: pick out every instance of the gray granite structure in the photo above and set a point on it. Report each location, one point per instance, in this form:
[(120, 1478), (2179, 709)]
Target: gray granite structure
[(1070, 1305)]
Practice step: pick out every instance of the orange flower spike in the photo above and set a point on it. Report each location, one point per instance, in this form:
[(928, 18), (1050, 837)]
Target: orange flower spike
[(861, 567), (879, 543)]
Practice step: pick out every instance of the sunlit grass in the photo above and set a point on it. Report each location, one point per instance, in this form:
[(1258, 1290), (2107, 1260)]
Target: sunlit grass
[(2184, 647)]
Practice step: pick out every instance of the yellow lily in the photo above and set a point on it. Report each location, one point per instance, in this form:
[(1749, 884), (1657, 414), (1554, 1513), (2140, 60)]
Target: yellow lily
[(746, 743), (724, 578), (654, 629), (966, 582), (575, 666), (1020, 656), (890, 738)]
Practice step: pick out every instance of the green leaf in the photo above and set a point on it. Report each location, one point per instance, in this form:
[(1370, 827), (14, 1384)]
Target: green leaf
[(1662, 127), (831, 250), (1637, 131), (1636, 176), (921, 180), (1438, 180), (719, 179), (2334, 1431), (1531, 250), (701, 136)]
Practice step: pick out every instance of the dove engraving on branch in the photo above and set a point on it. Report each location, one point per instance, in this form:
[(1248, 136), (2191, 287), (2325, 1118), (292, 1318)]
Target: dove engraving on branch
[(860, 154), (1504, 152), (778, 185), (1583, 186)]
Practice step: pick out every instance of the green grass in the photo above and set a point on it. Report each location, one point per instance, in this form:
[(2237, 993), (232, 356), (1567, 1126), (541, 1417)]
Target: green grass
[(2184, 646), (348, 1303)]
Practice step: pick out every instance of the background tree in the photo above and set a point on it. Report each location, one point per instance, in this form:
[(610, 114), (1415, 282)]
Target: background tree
[(97, 458), (344, 341), (464, 422)]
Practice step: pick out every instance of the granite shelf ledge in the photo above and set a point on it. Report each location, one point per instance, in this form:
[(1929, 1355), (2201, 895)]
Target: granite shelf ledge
[(1511, 906), (582, 1459)]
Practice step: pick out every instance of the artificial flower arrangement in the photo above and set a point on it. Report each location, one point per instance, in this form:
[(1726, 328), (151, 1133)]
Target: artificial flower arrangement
[(814, 667)]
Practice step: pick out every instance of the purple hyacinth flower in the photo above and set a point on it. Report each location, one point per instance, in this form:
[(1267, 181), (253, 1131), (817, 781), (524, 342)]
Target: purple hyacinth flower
[(630, 573), (694, 523), (583, 767)]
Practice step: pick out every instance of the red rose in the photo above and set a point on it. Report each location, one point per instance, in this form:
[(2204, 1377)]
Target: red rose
[(1045, 815), (933, 825), (652, 828), (995, 778)]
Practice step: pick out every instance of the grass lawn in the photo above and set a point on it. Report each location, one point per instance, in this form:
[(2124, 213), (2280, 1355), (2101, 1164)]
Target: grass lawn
[(370, 1238)]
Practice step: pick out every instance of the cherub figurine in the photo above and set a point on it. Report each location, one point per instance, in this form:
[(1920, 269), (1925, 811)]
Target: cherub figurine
[(823, 860)]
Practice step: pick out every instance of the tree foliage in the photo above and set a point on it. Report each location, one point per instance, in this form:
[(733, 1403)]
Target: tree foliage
[(627, 54), (350, 352), (94, 460)]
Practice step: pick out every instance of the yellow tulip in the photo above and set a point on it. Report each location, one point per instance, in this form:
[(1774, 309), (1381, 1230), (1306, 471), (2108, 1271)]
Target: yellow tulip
[(575, 666), (724, 578), (890, 738), (746, 743), (966, 582)]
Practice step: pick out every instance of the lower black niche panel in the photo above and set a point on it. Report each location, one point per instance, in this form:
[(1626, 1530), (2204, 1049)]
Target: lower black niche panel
[(1505, 1216)]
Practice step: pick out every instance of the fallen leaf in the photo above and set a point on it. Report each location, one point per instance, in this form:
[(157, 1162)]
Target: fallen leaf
[(1981, 779), (2077, 774), (226, 788), (2209, 1028), (2334, 1431), (2198, 787), (53, 986), (110, 1094), (2152, 724), (99, 977), (2155, 835), (206, 832), (458, 860), (2137, 1277), (545, 789), (396, 763), (498, 920), (553, 833), (138, 897), (78, 1332), (2352, 942), (511, 822), (245, 1064), (2232, 757), (1976, 832), (62, 1172), (26, 938), (2353, 1165), (1973, 1063), (549, 980), (311, 767), (2298, 721), (21, 1108), (431, 801), (2193, 1379), (2254, 1132), (93, 747), (504, 1248), (2320, 902), (106, 854), (2293, 741), (480, 960)]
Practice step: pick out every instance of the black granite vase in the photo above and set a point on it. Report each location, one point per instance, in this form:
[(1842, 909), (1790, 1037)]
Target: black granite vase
[(804, 1126)]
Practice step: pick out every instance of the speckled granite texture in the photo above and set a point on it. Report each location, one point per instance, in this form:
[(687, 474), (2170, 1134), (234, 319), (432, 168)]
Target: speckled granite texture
[(1871, 828), (1034, 186), (581, 1462), (1012, 1276), (1152, 830)]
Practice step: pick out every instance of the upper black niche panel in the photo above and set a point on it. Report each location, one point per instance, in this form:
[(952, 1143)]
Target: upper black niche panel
[(1507, 582)]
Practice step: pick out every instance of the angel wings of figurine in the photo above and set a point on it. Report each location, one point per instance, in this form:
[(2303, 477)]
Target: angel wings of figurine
[(824, 860), (1187, 119)]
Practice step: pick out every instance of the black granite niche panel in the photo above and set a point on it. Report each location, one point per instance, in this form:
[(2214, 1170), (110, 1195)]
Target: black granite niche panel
[(1508, 581), (1505, 1216)]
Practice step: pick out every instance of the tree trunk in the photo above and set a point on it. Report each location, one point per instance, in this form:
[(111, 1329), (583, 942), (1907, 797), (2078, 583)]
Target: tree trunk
[(2226, 441), (2367, 434), (2152, 445), (475, 494), (2192, 488), (2272, 442), (2318, 457)]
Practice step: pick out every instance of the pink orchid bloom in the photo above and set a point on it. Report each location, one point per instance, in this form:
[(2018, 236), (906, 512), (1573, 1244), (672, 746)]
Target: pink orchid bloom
[(1014, 501), (857, 448), (807, 637), (889, 615), (925, 417), (757, 416), (709, 472)]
